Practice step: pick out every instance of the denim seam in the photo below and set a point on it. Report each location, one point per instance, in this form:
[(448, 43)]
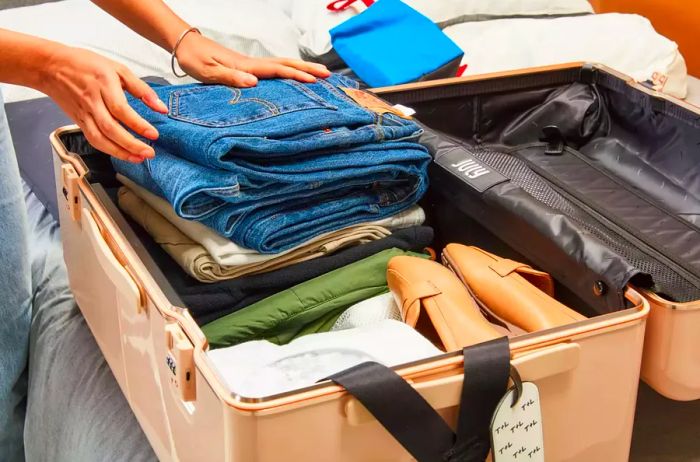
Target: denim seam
[(236, 96), (176, 114), (310, 93), (174, 103), (340, 94), (197, 212), (258, 224), (410, 137), (379, 133), (230, 228), (229, 191), (274, 110), (415, 189), (373, 208), (208, 123), (400, 121)]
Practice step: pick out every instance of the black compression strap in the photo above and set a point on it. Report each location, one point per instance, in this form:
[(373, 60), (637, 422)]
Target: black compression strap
[(486, 373), (416, 425), (399, 408)]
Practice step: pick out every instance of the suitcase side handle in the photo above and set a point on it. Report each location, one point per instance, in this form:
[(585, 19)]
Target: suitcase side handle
[(112, 260), (443, 393)]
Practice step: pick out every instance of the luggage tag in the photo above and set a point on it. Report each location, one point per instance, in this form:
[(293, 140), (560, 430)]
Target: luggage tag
[(516, 427), (374, 104)]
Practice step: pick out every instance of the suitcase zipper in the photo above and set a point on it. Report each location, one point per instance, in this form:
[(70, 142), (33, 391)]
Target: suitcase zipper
[(614, 225)]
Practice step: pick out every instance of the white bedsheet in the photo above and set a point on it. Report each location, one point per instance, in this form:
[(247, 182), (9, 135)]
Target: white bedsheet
[(248, 26), (625, 42), (313, 19)]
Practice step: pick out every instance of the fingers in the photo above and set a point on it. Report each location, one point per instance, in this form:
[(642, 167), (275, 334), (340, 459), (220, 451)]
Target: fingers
[(269, 70), (283, 68), (141, 90), (315, 69), (115, 133), (100, 142), (113, 97), (233, 77)]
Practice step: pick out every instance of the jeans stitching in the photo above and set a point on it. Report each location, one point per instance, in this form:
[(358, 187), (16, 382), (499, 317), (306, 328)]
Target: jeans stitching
[(236, 96), (338, 93), (274, 110), (309, 93)]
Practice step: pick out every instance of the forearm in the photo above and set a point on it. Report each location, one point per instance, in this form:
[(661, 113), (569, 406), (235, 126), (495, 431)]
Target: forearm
[(153, 19), (23, 58)]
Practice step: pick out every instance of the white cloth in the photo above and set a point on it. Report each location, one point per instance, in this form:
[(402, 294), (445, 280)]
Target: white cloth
[(248, 26), (625, 42), (368, 312), (259, 368), (226, 252), (313, 19)]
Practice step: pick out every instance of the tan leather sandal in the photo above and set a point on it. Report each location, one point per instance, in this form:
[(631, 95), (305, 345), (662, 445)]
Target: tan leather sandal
[(436, 303), (513, 292)]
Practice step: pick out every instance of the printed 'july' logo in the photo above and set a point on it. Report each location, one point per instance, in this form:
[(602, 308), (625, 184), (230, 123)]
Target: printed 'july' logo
[(470, 168)]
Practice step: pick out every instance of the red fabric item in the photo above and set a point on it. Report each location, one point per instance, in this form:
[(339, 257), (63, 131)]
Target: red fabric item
[(461, 70), (342, 5)]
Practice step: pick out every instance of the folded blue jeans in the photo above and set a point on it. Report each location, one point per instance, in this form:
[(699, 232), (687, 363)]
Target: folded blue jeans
[(271, 183), (211, 124)]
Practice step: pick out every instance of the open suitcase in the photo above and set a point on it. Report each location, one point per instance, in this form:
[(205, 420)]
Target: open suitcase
[(609, 170), (587, 372)]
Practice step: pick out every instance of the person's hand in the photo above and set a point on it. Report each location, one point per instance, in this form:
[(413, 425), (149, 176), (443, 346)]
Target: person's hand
[(90, 89), (209, 62)]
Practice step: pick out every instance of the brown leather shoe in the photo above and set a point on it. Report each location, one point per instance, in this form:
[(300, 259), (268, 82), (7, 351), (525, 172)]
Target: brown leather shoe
[(436, 303), (512, 291)]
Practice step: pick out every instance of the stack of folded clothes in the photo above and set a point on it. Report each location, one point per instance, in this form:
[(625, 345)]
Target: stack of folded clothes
[(393, 307), (311, 307), (252, 180)]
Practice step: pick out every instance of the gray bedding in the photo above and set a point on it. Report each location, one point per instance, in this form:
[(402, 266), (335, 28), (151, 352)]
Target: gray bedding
[(7, 4), (76, 411)]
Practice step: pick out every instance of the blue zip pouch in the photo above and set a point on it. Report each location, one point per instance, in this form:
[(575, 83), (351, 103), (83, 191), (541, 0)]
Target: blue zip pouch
[(391, 43)]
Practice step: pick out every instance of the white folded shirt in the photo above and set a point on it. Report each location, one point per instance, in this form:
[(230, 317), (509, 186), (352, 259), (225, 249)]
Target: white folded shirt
[(260, 368)]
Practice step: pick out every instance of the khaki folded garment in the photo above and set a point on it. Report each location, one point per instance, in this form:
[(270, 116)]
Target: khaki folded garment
[(198, 262)]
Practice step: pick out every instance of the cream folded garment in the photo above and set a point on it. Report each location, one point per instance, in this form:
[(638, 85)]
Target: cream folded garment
[(199, 263), (227, 253), (259, 368)]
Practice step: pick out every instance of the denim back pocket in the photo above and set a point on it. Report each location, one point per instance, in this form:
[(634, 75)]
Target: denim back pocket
[(221, 106)]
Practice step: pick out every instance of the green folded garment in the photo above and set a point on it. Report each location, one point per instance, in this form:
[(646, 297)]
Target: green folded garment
[(307, 308)]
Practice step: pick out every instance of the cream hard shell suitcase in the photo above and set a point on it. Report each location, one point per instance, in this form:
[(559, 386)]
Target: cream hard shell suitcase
[(587, 373)]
